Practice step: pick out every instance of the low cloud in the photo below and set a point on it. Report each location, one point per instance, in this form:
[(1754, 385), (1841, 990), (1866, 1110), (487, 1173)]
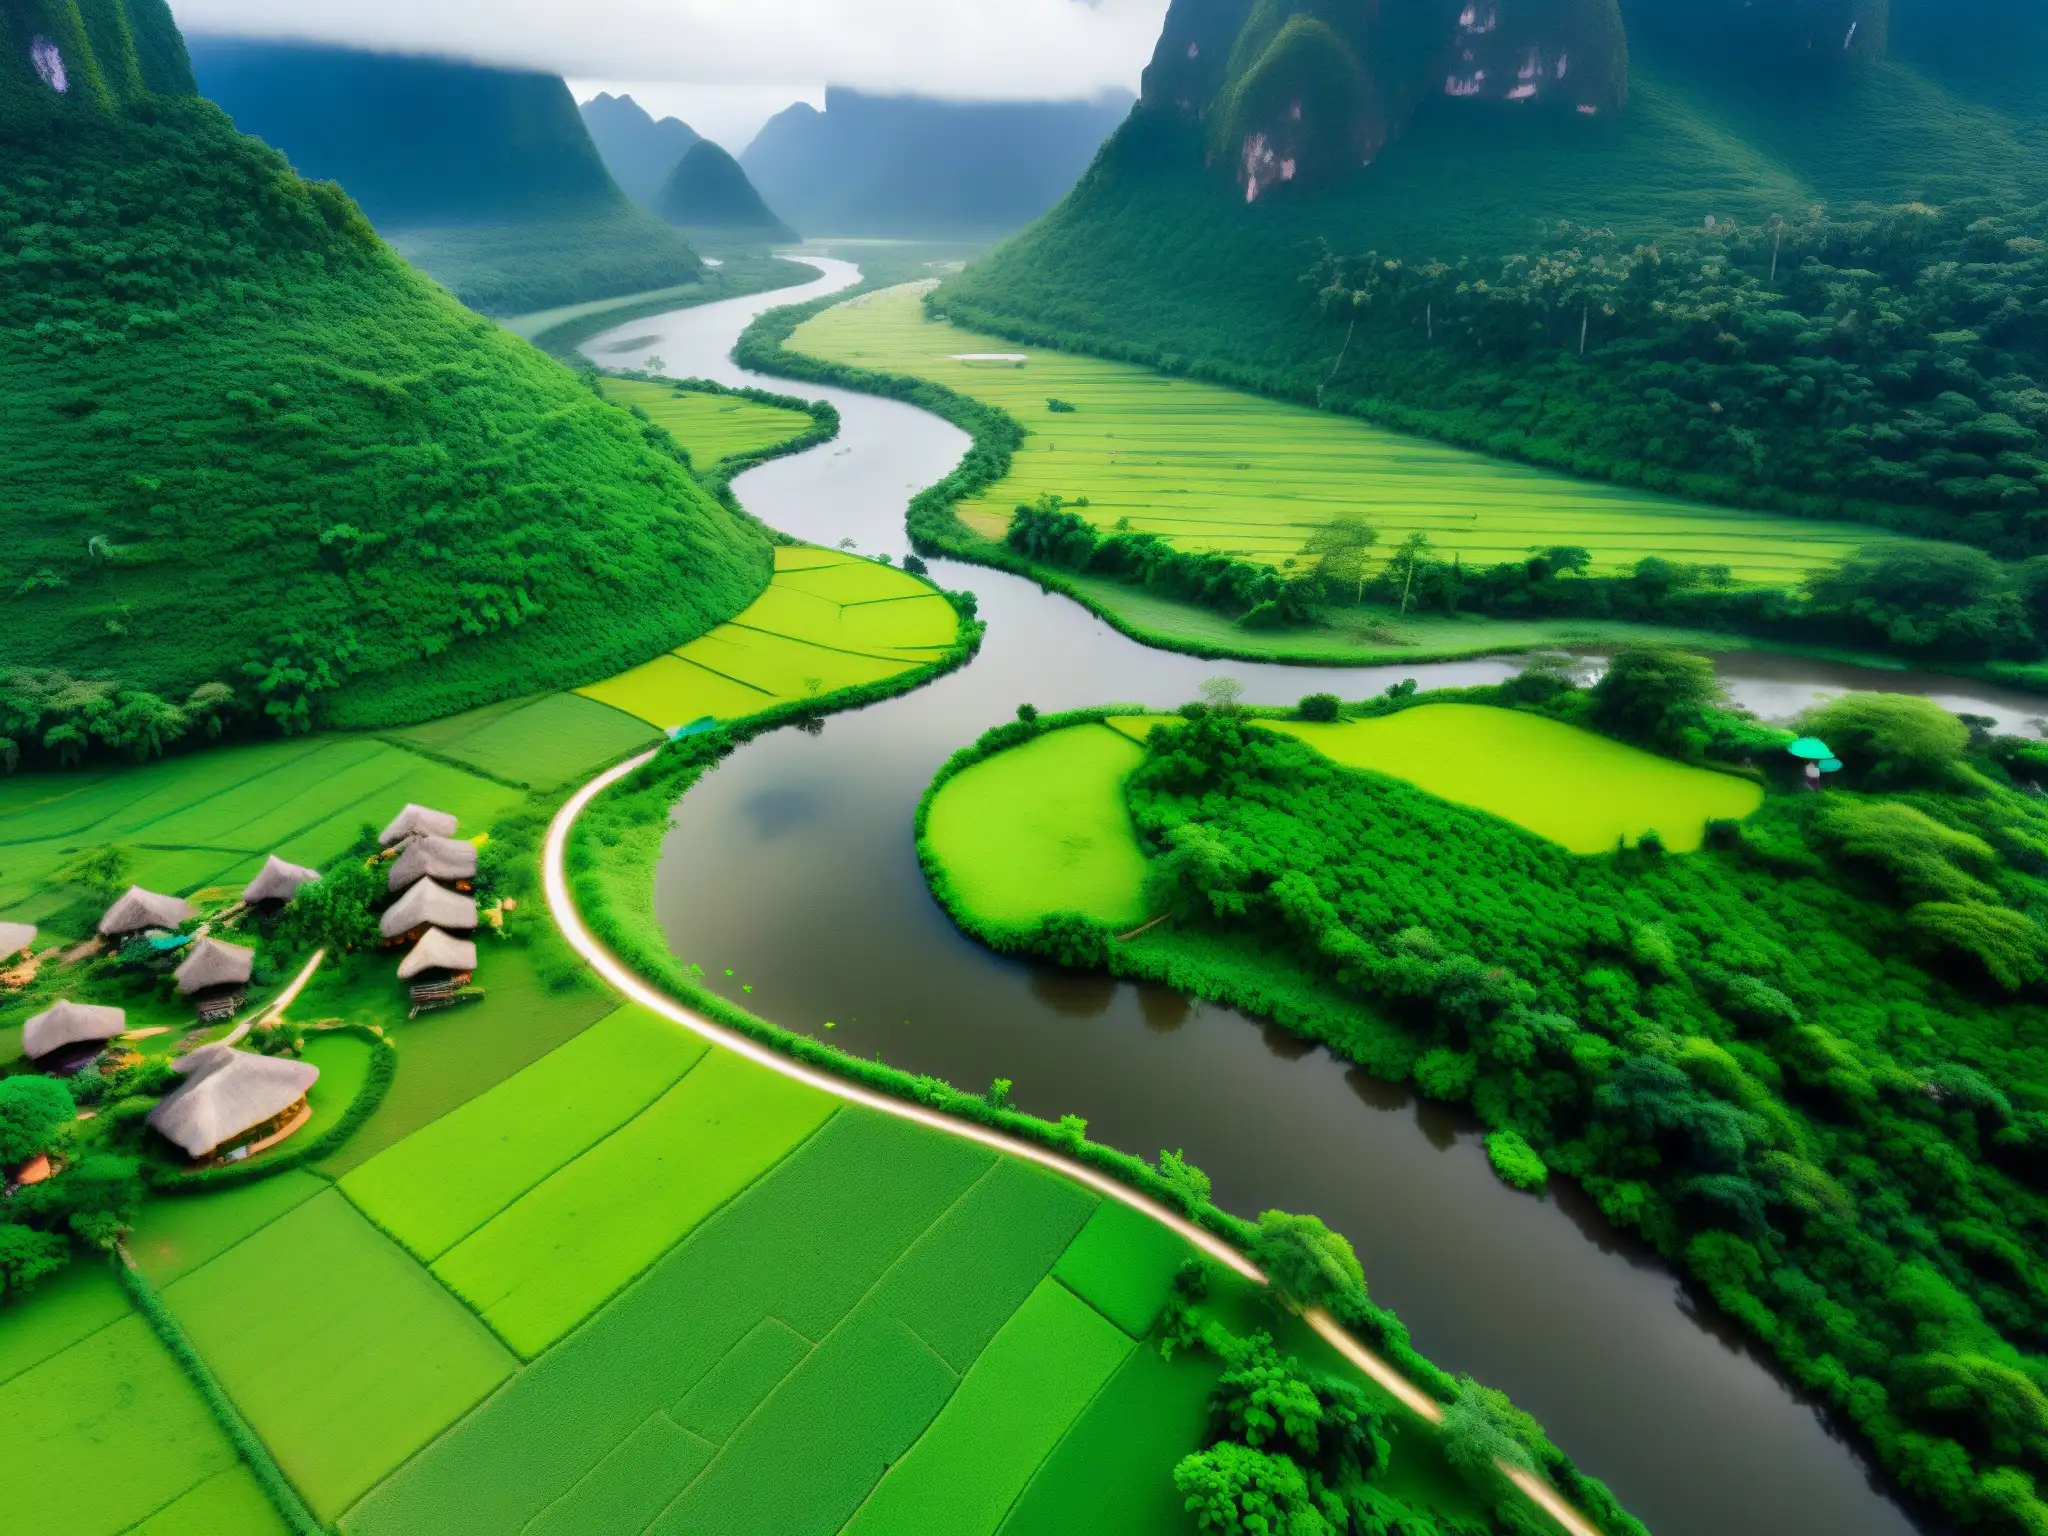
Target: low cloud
[(961, 49)]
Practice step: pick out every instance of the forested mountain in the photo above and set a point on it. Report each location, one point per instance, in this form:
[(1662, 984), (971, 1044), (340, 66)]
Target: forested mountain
[(255, 468), (640, 153), (1783, 252), (485, 177), (911, 166), (708, 193)]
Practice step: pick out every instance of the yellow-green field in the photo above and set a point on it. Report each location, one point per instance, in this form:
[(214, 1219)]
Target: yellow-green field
[(712, 427), (828, 621), (1214, 469), (1042, 828), (1577, 789)]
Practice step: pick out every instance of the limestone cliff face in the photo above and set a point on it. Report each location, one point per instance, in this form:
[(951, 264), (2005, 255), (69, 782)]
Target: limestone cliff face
[(1187, 68), (65, 56), (1314, 89)]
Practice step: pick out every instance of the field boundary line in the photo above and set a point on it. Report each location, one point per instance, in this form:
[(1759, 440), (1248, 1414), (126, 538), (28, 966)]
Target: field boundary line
[(562, 907)]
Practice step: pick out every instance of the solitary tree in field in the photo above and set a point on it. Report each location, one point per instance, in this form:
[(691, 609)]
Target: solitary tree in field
[(1342, 550), (1222, 693)]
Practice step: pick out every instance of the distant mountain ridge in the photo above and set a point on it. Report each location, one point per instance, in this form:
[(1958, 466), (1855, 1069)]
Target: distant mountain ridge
[(486, 177), (641, 152), (911, 166), (709, 194)]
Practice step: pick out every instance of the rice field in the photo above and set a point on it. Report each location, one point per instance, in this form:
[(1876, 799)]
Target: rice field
[(103, 1435), (337, 1347), (544, 743), (230, 1503), (1217, 470), (1034, 1379), (437, 1187), (712, 427), (563, 1248), (209, 820), (1042, 828), (828, 621), (1122, 1265), (174, 1237), (1582, 791)]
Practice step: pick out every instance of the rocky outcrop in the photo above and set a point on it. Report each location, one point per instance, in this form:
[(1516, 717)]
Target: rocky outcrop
[(1313, 89), (59, 56)]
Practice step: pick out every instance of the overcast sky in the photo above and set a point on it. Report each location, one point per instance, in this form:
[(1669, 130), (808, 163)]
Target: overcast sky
[(733, 62)]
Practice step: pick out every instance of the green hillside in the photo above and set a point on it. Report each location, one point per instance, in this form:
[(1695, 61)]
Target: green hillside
[(486, 178), (253, 465), (708, 192), (1185, 248)]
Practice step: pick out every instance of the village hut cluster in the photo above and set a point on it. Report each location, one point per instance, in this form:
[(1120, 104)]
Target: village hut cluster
[(433, 915)]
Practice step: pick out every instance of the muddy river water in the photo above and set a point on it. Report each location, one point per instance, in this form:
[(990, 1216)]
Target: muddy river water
[(791, 871)]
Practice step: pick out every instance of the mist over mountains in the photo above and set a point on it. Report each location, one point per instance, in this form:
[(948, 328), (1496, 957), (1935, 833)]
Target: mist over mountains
[(908, 166), (641, 152)]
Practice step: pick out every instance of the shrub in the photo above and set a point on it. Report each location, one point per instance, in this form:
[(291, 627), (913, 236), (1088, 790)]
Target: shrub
[(33, 1110), (1305, 1259), (1516, 1161), (1321, 707), (1890, 738)]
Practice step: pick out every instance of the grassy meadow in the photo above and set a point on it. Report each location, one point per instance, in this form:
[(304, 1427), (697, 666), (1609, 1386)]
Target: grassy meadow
[(714, 426), (1215, 469), (1582, 791), (827, 621), (1042, 828)]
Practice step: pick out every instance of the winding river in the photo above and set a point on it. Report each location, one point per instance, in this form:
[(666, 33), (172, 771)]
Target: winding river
[(790, 872)]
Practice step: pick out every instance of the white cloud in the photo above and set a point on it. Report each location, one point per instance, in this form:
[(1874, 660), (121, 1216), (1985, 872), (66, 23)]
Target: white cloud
[(963, 49)]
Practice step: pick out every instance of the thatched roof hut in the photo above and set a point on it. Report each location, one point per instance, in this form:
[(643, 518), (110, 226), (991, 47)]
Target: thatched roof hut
[(438, 951), (70, 1023), (418, 821), (15, 938), (211, 964), (433, 858), (226, 1094), (139, 911), (428, 905), (279, 881)]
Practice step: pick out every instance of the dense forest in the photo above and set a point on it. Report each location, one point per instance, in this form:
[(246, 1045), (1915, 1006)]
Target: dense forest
[(1805, 249), (256, 469), (1805, 1063), (486, 178)]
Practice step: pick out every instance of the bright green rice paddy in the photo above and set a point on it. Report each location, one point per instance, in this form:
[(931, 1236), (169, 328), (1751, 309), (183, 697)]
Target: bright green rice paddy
[(1215, 469), (1042, 828), (827, 621), (712, 427), (1577, 789)]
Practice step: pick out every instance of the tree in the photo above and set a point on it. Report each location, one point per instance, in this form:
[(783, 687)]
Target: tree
[(1342, 549), (1322, 707), (1654, 693), (1482, 1429), (1890, 738), (32, 1111), (27, 1256), (1222, 693), (1943, 599), (1233, 1490), (336, 913), (1305, 1259)]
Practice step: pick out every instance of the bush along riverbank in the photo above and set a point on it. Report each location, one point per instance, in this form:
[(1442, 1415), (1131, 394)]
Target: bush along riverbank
[(1806, 1064), (1947, 605), (612, 857)]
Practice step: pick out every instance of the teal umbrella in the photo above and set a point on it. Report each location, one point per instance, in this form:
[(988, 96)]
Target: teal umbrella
[(1831, 765), (1813, 748)]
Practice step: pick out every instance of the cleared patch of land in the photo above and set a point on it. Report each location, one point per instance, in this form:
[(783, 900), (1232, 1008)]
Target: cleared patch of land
[(828, 621), (1214, 469), (712, 427), (1042, 828), (341, 1351), (1571, 786)]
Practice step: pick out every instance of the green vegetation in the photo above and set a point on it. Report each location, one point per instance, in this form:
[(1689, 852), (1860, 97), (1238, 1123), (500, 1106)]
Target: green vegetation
[(556, 1253), (713, 426), (1043, 829), (116, 1386), (828, 622), (541, 743), (1799, 1061), (369, 1363), (511, 268), (1036, 1375), (268, 477), (1123, 1265), (518, 1133), (1216, 470)]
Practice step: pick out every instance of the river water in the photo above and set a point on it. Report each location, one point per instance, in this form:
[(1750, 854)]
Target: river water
[(791, 877)]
